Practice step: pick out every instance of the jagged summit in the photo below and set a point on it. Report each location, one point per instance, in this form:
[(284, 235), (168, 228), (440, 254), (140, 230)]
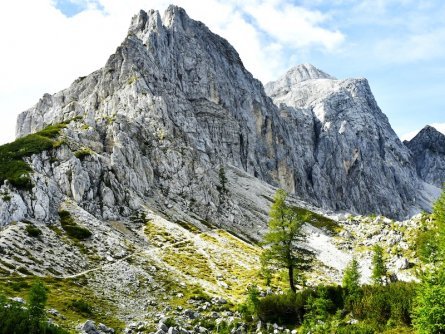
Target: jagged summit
[(305, 72), (428, 149), (295, 76)]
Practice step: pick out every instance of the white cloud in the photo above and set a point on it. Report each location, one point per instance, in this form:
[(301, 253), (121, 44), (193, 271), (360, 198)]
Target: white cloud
[(412, 48), (295, 26), (44, 51)]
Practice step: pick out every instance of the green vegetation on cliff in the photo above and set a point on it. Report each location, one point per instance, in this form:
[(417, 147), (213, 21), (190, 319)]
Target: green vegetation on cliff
[(12, 166)]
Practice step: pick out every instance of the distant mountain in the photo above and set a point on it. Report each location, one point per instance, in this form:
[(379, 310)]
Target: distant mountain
[(428, 148), (350, 156)]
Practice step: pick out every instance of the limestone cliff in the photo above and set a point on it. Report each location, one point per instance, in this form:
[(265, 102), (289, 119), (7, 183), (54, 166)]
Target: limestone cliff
[(174, 104)]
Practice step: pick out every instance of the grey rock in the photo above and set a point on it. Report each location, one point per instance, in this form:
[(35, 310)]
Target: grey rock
[(89, 327), (162, 326), (18, 300), (173, 330), (428, 149), (350, 157)]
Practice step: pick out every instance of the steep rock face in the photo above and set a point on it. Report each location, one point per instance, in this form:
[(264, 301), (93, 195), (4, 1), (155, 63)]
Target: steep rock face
[(174, 104), (428, 149), (349, 152)]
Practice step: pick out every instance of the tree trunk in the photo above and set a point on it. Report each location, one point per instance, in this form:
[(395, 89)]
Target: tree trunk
[(291, 278)]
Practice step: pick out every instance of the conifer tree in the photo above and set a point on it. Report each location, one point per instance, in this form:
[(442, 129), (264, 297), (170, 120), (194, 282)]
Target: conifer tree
[(379, 270), (283, 238), (351, 283)]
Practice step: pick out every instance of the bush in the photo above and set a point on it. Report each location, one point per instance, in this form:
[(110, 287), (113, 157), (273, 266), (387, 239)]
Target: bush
[(71, 228), (382, 305), (33, 231), (81, 306), (429, 310), (427, 245), (288, 308)]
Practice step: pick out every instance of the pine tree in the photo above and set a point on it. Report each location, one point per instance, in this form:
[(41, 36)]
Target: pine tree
[(351, 283), (283, 238), (379, 270), (429, 309), (36, 305), (439, 219)]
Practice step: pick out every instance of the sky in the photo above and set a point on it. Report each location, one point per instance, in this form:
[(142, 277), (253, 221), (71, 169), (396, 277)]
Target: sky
[(398, 45)]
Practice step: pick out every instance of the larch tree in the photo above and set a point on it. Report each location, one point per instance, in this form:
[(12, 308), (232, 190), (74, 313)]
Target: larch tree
[(283, 239)]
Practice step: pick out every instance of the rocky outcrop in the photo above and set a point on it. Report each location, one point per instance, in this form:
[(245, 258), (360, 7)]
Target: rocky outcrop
[(428, 149), (174, 104)]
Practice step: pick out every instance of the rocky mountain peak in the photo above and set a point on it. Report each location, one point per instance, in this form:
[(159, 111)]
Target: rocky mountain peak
[(428, 149), (297, 75), (305, 72)]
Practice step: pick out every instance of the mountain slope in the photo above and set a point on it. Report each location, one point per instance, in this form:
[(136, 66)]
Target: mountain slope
[(428, 149)]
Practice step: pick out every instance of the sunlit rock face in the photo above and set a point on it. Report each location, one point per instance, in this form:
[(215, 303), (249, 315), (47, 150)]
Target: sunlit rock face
[(174, 104)]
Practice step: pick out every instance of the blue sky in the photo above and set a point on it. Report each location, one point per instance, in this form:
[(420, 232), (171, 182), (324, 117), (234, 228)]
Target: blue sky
[(398, 45)]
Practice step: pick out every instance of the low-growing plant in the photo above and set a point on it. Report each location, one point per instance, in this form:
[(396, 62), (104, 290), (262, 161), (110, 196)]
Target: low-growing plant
[(33, 231), (81, 306), (71, 228), (82, 153)]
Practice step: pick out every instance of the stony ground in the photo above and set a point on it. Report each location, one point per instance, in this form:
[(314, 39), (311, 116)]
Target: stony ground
[(135, 274)]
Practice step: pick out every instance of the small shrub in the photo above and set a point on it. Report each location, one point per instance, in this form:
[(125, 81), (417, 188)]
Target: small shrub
[(19, 285), (71, 228), (288, 308), (382, 304), (33, 231), (200, 295), (170, 322), (6, 198), (81, 306), (82, 153)]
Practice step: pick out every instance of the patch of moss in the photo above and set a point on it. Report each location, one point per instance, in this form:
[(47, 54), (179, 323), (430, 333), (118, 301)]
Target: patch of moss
[(12, 166), (131, 80), (159, 236), (71, 228), (186, 258), (83, 153), (6, 198)]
